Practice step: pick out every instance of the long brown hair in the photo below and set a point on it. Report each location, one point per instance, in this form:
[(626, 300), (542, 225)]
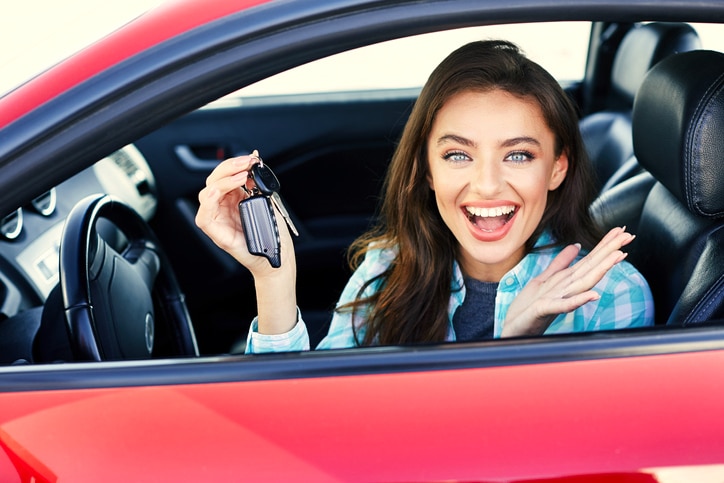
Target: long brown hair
[(411, 305)]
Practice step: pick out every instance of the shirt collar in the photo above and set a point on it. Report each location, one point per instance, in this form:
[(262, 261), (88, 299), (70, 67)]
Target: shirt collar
[(514, 279)]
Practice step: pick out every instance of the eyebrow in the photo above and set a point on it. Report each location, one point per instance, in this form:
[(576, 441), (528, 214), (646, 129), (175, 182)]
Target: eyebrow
[(458, 139), (505, 144), (508, 143)]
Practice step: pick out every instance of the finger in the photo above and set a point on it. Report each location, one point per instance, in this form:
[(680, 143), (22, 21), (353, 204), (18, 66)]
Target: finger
[(221, 195), (206, 210), (565, 281), (564, 305), (215, 206), (593, 273), (562, 261), (614, 240), (208, 206), (232, 166), (585, 274)]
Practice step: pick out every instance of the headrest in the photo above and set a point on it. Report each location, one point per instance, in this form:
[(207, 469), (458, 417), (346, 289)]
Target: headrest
[(642, 48), (678, 128)]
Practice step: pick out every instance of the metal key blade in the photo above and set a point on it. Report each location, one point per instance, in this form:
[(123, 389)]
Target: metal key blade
[(277, 200)]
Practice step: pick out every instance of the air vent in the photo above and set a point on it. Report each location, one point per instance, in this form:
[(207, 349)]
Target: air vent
[(126, 175), (11, 225), (124, 161), (45, 203)]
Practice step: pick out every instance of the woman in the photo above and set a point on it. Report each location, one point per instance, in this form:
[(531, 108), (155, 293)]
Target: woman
[(485, 209)]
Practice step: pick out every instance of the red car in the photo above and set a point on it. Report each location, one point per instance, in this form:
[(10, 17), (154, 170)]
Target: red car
[(143, 116)]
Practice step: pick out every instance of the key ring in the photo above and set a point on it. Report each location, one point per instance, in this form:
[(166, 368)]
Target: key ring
[(254, 191), (261, 161)]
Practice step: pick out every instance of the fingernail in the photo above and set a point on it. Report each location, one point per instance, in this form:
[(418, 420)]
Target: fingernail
[(577, 245)]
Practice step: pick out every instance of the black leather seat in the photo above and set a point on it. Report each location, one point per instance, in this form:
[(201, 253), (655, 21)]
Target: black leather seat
[(607, 133), (678, 205)]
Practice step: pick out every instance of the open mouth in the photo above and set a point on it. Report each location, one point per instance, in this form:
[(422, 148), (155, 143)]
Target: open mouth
[(492, 219)]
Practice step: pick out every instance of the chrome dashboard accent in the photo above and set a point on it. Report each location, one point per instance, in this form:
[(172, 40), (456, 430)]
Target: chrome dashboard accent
[(45, 204), (39, 260), (12, 225)]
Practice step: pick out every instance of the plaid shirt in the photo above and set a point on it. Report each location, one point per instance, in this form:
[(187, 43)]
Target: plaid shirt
[(625, 301)]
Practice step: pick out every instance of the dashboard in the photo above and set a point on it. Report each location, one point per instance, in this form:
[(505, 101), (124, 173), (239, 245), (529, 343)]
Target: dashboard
[(30, 236)]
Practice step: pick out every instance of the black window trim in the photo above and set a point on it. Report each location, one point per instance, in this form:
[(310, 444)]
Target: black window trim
[(566, 348)]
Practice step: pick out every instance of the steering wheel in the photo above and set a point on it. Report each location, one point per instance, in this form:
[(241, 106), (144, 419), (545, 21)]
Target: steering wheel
[(108, 297)]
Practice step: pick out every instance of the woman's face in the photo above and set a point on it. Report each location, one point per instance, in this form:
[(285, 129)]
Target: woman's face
[(492, 162)]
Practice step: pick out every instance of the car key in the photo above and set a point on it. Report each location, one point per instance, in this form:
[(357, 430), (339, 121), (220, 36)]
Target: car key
[(258, 219), (268, 184), (277, 200), (264, 178), (260, 228)]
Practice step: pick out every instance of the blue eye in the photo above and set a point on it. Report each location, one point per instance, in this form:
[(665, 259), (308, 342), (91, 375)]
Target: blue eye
[(520, 157), (456, 156)]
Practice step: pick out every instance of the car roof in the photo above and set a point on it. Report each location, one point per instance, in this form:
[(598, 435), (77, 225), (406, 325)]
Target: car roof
[(168, 20)]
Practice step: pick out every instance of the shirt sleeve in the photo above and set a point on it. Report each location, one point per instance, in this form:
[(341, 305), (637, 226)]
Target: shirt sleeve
[(626, 300), (341, 334), (296, 339), (342, 328)]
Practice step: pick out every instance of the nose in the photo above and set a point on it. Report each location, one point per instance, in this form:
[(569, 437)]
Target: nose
[(487, 180)]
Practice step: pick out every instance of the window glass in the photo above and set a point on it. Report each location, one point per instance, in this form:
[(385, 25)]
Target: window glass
[(560, 47), (711, 34)]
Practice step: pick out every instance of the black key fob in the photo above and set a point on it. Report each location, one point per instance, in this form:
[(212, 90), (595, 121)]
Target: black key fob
[(265, 179), (260, 229), (267, 184)]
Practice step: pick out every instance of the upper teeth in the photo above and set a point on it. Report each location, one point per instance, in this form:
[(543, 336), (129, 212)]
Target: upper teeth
[(490, 212)]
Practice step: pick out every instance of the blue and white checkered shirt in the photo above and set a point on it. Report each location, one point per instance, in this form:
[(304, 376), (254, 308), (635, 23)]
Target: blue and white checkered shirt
[(625, 301)]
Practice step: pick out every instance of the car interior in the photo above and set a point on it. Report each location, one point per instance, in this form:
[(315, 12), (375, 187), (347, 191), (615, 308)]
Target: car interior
[(678, 217), (607, 132), (658, 175)]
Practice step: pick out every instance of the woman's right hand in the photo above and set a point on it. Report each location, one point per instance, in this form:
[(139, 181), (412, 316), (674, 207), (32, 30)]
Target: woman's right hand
[(218, 214), (218, 217)]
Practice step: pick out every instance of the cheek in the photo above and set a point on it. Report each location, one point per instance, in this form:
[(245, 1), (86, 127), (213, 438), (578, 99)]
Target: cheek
[(447, 188), (533, 188), (435, 179), (446, 195)]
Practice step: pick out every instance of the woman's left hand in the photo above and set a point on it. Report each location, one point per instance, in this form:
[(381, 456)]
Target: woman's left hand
[(563, 287)]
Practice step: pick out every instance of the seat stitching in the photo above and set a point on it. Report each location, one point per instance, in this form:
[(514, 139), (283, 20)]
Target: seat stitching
[(715, 290), (693, 141)]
